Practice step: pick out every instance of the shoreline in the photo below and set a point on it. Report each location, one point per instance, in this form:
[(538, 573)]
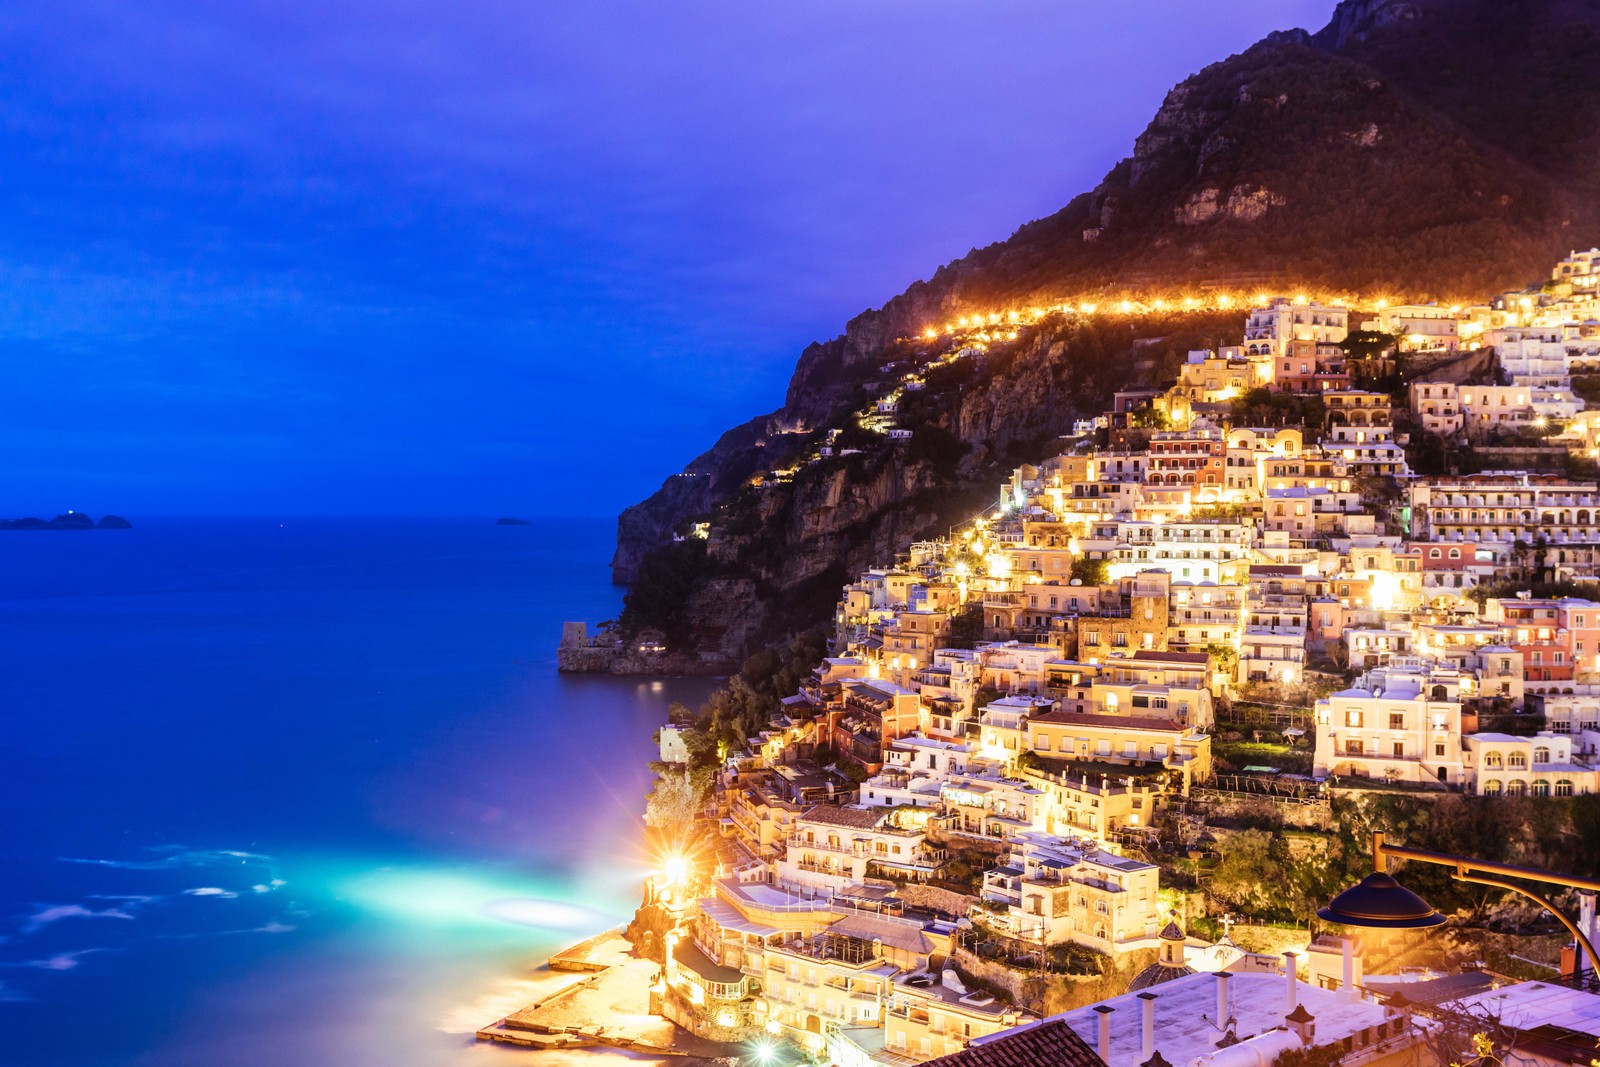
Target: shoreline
[(601, 1000)]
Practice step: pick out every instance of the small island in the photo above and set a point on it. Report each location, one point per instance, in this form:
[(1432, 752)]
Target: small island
[(72, 520)]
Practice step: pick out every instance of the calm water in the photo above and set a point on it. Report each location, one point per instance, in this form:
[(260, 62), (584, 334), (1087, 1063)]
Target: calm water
[(303, 793)]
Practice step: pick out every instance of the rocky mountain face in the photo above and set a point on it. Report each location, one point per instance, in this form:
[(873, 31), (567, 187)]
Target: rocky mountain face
[(1425, 148)]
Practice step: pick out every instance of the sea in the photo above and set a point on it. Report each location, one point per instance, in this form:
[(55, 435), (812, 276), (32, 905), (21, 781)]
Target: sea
[(305, 792)]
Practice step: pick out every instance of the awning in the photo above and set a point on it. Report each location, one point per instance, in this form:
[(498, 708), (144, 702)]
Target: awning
[(872, 928), (728, 918)]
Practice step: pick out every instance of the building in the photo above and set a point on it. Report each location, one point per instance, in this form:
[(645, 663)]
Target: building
[(834, 847), (1057, 891), (1122, 739), (1542, 765), (1217, 1018), (1558, 640), (1401, 722), (1503, 507)]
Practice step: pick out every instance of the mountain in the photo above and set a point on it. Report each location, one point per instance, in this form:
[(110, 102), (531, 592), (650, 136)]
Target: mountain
[(1435, 149)]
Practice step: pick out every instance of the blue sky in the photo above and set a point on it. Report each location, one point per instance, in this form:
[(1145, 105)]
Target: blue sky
[(492, 257)]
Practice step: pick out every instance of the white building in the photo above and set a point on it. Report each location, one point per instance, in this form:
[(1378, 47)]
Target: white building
[(1542, 765), (1401, 722)]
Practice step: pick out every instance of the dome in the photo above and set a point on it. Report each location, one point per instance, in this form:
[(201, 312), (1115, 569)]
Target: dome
[(1169, 965), (1157, 973)]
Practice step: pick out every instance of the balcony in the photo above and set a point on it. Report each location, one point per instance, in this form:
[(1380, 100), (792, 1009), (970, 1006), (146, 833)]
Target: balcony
[(828, 869), (842, 848), (1347, 753)]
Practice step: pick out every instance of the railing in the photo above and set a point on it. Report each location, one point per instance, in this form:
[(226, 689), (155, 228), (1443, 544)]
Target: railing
[(819, 868), (796, 841), (1359, 754)]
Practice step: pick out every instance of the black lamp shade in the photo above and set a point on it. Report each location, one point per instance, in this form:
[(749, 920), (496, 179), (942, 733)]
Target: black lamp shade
[(1379, 902)]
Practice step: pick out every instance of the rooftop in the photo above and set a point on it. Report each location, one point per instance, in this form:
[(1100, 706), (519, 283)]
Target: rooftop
[(1051, 1042), (1109, 722), (835, 815), (1185, 1010)]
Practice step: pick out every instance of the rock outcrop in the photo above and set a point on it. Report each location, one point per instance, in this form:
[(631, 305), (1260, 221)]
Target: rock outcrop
[(71, 520)]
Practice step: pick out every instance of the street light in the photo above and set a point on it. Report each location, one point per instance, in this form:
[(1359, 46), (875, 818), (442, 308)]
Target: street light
[(1380, 902)]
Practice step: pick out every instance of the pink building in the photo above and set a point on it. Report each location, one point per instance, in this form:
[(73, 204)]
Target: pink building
[(1558, 639)]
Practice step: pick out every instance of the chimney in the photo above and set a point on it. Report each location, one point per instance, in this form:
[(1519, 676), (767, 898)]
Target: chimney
[(1224, 981), (1104, 1011), (1291, 980), (1147, 1044), (1303, 1024), (1347, 988)]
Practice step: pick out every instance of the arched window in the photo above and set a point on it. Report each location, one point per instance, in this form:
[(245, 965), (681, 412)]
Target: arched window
[(1563, 787), (1516, 788), (1491, 788), (1541, 787), (1492, 759), (1517, 761), (1541, 754)]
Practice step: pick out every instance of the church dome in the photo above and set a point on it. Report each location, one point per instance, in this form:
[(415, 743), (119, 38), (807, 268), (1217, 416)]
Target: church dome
[(1169, 965)]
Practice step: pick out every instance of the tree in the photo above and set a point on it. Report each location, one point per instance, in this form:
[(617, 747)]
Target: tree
[(673, 804), (1149, 417), (1367, 344), (1224, 658), (1248, 878), (1090, 571)]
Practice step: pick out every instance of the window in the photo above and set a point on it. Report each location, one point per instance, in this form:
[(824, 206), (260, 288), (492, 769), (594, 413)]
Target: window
[(1563, 787), (1541, 754), (1397, 720)]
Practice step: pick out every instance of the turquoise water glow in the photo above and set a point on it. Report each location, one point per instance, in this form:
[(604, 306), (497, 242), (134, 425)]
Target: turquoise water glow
[(303, 791)]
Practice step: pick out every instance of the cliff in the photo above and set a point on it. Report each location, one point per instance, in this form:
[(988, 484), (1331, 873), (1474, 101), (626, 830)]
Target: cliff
[(1424, 148)]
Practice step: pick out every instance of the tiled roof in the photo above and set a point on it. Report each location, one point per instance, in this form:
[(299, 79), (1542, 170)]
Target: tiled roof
[(1150, 656), (1053, 1043), (834, 815)]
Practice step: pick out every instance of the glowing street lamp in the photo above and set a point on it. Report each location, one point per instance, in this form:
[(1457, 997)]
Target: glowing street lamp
[(1381, 903)]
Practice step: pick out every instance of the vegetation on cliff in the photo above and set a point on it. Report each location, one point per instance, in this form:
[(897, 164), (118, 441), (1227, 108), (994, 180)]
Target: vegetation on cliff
[(1376, 155)]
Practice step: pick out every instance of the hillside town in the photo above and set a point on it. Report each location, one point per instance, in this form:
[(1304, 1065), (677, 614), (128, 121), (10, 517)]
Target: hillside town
[(1348, 560)]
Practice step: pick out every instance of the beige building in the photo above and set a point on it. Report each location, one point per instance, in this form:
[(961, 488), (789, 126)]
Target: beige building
[(1401, 722), (1123, 740), (928, 1016), (1543, 765), (834, 847), (1056, 891)]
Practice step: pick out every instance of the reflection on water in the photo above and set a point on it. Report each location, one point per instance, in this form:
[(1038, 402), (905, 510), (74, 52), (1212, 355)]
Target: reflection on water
[(307, 794)]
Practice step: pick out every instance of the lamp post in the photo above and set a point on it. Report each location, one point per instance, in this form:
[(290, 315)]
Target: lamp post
[(1380, 902)]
